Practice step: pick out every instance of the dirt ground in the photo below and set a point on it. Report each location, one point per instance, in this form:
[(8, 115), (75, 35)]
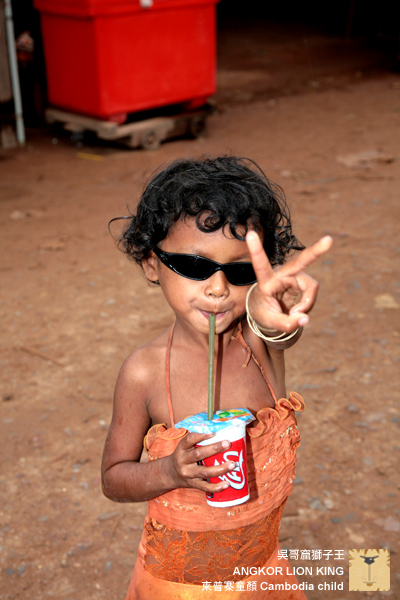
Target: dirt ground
[(72, 308)]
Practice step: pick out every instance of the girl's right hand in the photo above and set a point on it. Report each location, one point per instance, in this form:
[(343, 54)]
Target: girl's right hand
[(187, 473)]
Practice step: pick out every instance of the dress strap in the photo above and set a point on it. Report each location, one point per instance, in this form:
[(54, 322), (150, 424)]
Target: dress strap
[(239, 337), (167, 375)]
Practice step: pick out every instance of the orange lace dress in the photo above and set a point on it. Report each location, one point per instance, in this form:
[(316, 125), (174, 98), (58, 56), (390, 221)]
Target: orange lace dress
[(186, 542)]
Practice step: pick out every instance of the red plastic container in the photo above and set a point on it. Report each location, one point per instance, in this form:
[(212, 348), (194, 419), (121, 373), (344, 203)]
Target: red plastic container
[(106, 58)]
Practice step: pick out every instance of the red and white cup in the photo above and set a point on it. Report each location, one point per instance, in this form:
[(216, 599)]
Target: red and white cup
[(238, 490)]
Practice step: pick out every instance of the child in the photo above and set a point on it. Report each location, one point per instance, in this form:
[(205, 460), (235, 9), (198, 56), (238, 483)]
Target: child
[(214, 234)]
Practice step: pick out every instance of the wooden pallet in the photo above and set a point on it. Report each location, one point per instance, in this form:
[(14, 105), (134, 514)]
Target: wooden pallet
[(148, 133)]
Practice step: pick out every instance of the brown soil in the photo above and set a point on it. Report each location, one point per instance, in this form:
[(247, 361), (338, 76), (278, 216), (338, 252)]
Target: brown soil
[(72, 308)]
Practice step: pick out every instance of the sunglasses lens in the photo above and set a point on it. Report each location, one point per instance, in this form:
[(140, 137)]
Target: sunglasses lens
[(240, 273), (200, 268), (193, 267)]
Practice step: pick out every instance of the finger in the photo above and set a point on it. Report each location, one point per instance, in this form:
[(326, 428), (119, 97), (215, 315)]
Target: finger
[(203, 452), (306, 257), (309, 287), (216, 471), (210, 488), (285, 323), (259, 258), (268, 312), (190, 440)]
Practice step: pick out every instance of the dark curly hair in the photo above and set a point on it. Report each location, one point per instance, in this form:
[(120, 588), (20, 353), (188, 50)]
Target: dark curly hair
[(217, 192)]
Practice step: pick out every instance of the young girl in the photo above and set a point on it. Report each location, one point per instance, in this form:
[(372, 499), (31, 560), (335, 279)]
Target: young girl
[(214, 234)]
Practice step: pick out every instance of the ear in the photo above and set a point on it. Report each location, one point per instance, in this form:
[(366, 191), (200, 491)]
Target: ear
[(150, 267)]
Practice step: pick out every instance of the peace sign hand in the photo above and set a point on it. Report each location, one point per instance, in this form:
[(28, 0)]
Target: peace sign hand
[(272, 302)]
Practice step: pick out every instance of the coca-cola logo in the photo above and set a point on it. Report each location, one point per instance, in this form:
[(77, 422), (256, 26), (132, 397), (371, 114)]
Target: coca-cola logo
[(236, 477)]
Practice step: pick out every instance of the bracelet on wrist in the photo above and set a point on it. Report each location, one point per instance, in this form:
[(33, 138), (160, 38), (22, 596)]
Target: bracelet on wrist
[(258, 330)]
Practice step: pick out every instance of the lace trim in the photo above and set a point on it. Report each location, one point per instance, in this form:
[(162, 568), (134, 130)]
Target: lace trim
[(154, 433), (282, 410)]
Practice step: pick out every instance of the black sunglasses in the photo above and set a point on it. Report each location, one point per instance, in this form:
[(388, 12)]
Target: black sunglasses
[(200, 268)]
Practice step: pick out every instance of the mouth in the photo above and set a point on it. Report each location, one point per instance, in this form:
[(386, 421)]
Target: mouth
[(218, 315)]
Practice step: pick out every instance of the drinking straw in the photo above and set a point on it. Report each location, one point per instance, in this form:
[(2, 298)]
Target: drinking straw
[(211, 344)]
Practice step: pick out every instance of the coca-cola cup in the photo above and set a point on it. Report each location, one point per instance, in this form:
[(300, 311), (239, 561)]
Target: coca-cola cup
[(238, 490), (226, 425)]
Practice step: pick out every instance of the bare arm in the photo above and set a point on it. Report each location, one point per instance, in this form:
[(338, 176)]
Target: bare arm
[(124, 478)]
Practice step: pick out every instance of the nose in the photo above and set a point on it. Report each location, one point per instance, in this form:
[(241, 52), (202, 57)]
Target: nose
[(217, 285)]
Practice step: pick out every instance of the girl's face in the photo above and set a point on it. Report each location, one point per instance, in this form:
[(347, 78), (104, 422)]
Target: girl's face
[(191, 300)]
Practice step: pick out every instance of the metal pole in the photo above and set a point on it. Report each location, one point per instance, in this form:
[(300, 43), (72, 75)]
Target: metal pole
[(12, 58)]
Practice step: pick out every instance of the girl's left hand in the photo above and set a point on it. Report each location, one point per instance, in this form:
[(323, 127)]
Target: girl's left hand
[(272, 302)]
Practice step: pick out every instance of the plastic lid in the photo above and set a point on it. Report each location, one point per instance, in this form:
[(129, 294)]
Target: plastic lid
[(235, 417)]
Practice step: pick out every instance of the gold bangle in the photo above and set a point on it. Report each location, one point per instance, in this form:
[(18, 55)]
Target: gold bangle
[(281, 337)]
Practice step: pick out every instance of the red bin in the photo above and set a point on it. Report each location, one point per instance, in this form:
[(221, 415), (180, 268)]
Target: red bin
[(105, 58)]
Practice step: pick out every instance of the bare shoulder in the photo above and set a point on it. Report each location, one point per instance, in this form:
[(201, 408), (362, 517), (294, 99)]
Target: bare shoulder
[(143, 365), (140, 380)]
